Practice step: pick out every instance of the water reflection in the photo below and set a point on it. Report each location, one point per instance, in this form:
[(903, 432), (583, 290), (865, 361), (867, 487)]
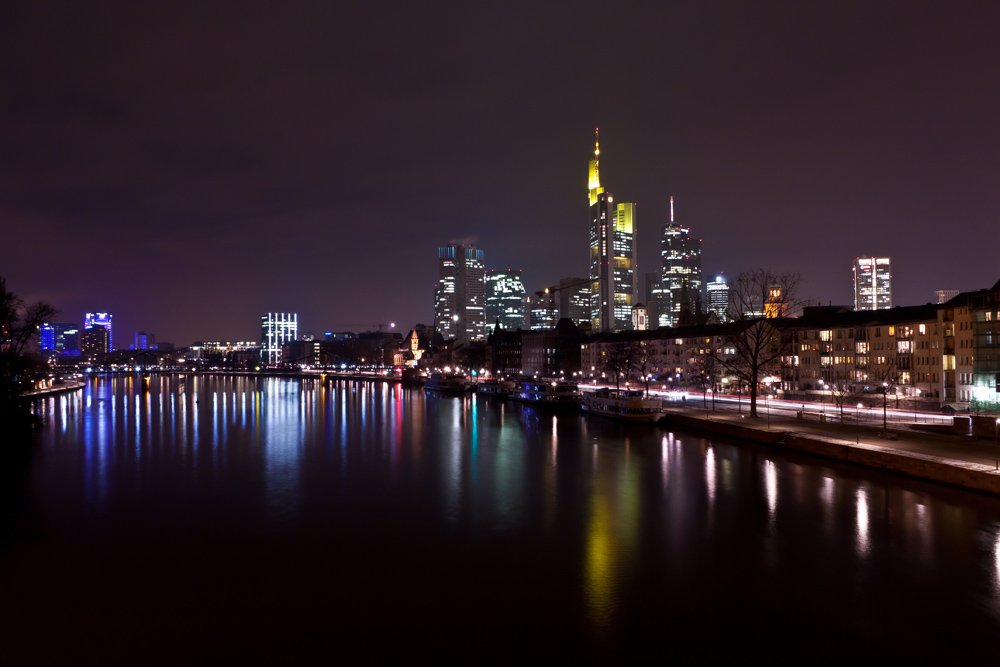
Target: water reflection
[(610, 524)]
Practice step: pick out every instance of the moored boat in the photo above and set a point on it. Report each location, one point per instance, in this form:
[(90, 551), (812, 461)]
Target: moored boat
[(452, 383), (414, 377), (560, 394), (624, 405), (495, 387)]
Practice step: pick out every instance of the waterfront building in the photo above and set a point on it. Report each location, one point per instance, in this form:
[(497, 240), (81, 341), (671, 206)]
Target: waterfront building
[(718, 298), (301, 353), (94, 341), (680, 261), (613, 274), (460, 294), (872, 283), (60, 338), (275, 330), (104, 320), (506, 299)]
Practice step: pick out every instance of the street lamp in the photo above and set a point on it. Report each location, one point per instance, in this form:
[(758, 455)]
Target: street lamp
[(885, 398), (996, 426), (857, 413)]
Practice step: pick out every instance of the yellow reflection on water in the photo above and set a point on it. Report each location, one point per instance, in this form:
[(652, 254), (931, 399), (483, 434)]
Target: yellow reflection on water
[(612, 535)]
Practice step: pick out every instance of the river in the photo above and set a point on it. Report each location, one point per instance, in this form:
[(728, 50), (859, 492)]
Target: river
[(217, 518)]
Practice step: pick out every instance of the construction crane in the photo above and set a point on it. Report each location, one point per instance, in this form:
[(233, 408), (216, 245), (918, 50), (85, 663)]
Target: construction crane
[(556, 288)]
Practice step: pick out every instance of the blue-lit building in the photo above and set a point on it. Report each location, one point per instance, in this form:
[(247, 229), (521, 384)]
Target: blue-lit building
[(60, 338), (103, 320), (275, 330), (143, 341)]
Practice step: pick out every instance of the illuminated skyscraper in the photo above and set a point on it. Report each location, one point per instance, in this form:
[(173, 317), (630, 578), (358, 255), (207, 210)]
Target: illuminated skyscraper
[(718, 298), (574, 299), (275, 329), (613, 286), (104, 320), (680, 257), (505, 299), (460, 295), (62, 338), (872, 283)]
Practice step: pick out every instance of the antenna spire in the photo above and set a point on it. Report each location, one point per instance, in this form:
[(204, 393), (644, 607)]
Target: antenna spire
[(597, 153), (671, 209)]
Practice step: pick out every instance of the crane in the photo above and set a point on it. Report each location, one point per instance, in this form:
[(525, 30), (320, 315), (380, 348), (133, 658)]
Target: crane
[(555, 288)]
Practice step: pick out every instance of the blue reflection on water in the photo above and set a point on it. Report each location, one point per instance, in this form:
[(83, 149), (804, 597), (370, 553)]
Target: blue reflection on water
[(633, 516)]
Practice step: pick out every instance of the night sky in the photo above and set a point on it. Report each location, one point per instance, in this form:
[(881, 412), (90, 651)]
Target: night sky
[(188, 166)]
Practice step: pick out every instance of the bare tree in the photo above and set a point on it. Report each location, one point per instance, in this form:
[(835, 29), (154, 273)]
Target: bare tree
[(842, 388), (19, 324), (708, 373), (642, 361), (618, 362), (758, 300), (884, 374)]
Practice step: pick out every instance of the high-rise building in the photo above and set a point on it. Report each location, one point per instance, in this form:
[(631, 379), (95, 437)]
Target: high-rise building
[(944, 295), (276, 329), (872, 283), (718, 298), (574, 299), (680, 258), (143, 341), (61, 338), (95, 341), (613, 271), (505, 299), (104, 320), (460, 295), (543, 311)]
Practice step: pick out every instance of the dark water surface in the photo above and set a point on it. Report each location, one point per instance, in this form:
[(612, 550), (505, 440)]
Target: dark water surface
[(216, 518)]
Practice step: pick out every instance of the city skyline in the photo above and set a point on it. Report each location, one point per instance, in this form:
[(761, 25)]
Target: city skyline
[(145, 178)]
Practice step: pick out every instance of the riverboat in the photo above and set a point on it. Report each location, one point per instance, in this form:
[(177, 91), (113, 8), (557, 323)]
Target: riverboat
[(495, 387), (414, 377), (450, 383), (560, 394), (624, 405)]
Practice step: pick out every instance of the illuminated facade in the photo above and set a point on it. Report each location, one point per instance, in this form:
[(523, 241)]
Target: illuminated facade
[(104, 320), (574, 299), (61, 338), (613, 274), (872, 283), (460, 295), (505, 299), (276, 329), (94, 341), (680, 259), (718, 298), (543, 311)]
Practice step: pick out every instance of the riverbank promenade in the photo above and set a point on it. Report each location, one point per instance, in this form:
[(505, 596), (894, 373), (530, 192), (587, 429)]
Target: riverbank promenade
[(958, 460)]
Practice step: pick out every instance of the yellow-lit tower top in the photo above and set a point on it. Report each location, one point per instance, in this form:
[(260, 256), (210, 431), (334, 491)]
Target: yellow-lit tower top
[(595, 176)]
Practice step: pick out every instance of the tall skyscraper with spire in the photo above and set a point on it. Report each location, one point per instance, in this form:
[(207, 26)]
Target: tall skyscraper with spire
[(680, 256), (613, 271)]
